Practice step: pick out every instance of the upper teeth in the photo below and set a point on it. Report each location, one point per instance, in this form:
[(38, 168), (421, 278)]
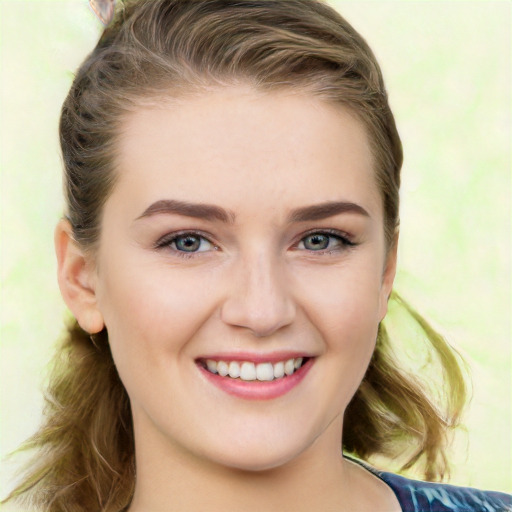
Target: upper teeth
[(246, 370)]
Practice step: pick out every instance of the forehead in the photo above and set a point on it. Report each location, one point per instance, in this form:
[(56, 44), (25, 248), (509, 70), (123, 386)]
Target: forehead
[(246, 149)]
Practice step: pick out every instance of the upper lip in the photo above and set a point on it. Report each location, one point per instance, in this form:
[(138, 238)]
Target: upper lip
[(273, 357)]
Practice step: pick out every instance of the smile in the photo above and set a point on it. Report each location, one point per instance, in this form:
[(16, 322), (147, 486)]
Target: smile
[(249, 371), (255, 380)]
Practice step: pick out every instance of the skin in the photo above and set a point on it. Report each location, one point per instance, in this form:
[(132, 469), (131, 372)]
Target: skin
[(255, 284)]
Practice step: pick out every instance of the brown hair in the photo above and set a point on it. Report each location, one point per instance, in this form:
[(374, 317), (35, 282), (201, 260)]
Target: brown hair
[(156, 48)]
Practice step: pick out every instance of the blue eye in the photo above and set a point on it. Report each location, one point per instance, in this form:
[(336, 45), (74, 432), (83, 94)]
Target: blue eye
[(322, 241), (186, 243), (316, 242)]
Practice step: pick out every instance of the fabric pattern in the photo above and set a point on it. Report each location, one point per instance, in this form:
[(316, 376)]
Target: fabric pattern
[(419, 496)]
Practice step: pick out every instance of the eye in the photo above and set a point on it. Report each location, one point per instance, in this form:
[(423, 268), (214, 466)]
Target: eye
[(186, 243), (324, 241)]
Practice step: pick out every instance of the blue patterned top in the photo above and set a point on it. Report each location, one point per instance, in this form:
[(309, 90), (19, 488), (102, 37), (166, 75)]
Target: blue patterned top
[(418, 496)]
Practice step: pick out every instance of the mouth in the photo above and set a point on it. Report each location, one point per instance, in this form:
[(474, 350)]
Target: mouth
[(249, 371), (251, 380)]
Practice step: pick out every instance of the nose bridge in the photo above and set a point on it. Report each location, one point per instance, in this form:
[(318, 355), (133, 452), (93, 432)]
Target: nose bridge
[(259, 298)]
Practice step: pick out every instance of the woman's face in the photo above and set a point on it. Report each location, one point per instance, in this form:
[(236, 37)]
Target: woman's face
[(244, 234)]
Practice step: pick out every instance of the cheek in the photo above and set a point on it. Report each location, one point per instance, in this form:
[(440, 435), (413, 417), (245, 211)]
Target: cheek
[(344, 308), (150, 311), (344, 302), (350, 329)]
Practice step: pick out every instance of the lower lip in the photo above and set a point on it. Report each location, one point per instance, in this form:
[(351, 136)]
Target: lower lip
[(255, 389)]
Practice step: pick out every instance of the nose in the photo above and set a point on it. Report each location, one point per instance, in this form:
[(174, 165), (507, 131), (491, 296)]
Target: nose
[(258, 299)]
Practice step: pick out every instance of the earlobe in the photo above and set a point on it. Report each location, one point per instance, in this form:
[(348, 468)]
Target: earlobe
[(76, 276)]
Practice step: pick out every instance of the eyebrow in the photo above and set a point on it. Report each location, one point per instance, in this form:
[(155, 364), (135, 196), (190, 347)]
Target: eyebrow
[(325, 210), (196, 210), (212, 212)]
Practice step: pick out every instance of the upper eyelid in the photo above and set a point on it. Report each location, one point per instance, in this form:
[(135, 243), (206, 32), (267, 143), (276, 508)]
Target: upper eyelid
[(327, 231), (170, 237)]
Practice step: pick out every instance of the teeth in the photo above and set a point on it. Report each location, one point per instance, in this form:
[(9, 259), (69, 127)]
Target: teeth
[(289, 367), (211, 365), (249, 371), (279, 370), (222, 368), (265, 371), (234, 370)]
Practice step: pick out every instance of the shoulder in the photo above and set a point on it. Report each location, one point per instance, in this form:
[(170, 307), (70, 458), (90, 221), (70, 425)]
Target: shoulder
[(417, 496)]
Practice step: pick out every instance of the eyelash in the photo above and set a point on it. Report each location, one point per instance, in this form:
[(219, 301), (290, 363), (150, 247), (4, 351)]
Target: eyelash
[(166, 241), (345, 240)]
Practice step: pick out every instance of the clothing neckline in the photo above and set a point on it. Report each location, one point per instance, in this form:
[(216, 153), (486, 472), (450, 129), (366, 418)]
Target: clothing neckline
[(381, 475)]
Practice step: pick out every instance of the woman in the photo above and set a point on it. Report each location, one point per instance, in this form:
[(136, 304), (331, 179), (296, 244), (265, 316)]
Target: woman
[(229, 249)]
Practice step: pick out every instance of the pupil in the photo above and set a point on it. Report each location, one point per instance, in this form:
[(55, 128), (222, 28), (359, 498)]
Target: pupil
[(188, 243), (317, 242)]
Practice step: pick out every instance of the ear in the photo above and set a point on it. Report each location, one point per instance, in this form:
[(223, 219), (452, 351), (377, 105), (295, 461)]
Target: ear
[(388, 276), (76, 276)]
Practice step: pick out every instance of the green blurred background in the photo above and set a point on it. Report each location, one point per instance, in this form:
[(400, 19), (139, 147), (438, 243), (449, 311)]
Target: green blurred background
[(447, 66)]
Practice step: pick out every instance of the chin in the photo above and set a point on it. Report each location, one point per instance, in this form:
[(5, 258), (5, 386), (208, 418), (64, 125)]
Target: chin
[(252, 456), (257, 461)]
